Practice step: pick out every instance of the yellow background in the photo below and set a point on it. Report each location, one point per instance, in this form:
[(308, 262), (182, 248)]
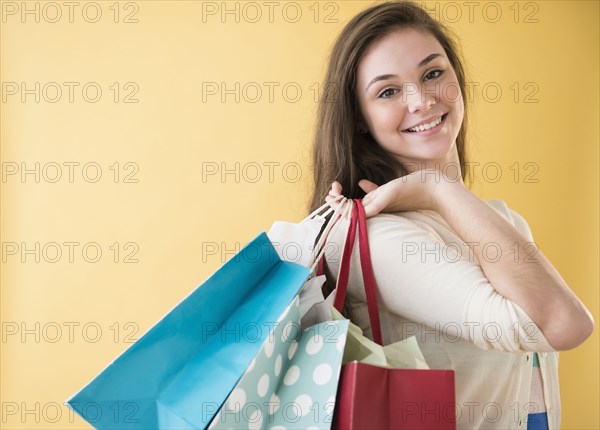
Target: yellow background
[(178, 212)]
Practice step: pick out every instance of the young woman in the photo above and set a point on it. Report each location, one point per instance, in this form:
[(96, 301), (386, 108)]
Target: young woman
[(459, 273)]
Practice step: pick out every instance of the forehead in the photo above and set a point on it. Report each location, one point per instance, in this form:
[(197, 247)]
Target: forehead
[(397, 52)]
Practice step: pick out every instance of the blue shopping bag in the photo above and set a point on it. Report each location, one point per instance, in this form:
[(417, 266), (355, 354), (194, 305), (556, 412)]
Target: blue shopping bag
[(179, 373)]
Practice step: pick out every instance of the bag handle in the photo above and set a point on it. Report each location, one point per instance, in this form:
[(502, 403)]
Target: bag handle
[(344, 273), (320, 209), (320, 261), (368, 275), (332, 225), (358, 219)]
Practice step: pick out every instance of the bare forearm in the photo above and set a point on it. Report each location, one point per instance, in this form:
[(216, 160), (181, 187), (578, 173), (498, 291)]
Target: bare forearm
[(504, 254)]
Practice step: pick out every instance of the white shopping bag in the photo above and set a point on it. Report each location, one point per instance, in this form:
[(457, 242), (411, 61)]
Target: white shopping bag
[(295, 242)]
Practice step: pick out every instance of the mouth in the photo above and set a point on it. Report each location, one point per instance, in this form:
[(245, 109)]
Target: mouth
[(427, 127)]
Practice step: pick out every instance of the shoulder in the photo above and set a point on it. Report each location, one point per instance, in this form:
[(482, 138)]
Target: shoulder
[(405, 224), (511, 216), (392, 232), (387, 232), (382, 224), (501, 207)]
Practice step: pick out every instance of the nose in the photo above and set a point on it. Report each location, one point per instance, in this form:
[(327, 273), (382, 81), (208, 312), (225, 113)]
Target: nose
[(417, 99)]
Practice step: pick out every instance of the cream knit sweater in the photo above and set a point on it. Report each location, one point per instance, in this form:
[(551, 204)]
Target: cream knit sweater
[(431, 285)]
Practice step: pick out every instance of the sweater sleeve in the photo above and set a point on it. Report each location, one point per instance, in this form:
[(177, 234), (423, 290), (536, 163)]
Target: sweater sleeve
[(432, 282)]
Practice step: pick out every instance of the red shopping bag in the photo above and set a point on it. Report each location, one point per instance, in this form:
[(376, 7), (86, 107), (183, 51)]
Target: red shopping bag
[(373, 397)]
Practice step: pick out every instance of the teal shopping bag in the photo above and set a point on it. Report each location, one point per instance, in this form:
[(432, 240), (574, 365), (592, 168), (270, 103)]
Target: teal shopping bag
[(179, 373)]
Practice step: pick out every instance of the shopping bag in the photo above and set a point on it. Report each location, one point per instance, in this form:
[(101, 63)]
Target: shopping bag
[(374, 397), (381, 396), (297, 243), (381, 379), (178, 374), (404, 354), (293, 380)]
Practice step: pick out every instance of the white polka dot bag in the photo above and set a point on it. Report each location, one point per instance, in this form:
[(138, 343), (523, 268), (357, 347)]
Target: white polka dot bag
[(292, 382)]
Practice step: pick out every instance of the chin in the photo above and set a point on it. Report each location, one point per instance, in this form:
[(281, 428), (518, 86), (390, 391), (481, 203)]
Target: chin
[(431, 157)]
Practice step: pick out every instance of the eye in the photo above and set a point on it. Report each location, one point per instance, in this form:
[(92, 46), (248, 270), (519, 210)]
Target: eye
[(386, 91), (438, 71)]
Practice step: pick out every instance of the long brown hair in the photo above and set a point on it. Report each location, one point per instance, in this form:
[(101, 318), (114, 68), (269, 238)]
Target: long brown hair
[(340, 151)]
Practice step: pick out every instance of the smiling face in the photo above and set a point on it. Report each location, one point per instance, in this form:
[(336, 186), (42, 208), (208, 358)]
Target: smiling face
[(404, 80)]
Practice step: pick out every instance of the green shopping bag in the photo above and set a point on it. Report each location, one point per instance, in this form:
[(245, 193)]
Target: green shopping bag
[(404, 354)]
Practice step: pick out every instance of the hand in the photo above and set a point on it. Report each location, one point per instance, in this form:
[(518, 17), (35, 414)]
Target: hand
[(415, 191)]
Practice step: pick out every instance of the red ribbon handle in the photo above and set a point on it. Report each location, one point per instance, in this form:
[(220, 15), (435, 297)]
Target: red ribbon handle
[(359, 218), (342, 283)]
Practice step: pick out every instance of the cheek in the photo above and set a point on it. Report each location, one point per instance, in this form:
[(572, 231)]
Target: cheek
[(388, 118), (450, 91), (459, 107)]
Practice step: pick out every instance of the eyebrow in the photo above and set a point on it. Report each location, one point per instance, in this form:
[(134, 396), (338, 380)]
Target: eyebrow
[(423, 62)]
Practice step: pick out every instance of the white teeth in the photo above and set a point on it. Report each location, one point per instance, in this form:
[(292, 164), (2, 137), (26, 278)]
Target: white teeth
[(427, 126)]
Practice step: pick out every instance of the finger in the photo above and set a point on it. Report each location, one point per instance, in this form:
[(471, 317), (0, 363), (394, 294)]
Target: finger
[(332, 201), (370, 196), (371, 209), (337, 187), (367, 185), (367, 200)]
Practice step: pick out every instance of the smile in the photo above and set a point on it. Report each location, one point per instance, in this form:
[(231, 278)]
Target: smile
[(433, 124)]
